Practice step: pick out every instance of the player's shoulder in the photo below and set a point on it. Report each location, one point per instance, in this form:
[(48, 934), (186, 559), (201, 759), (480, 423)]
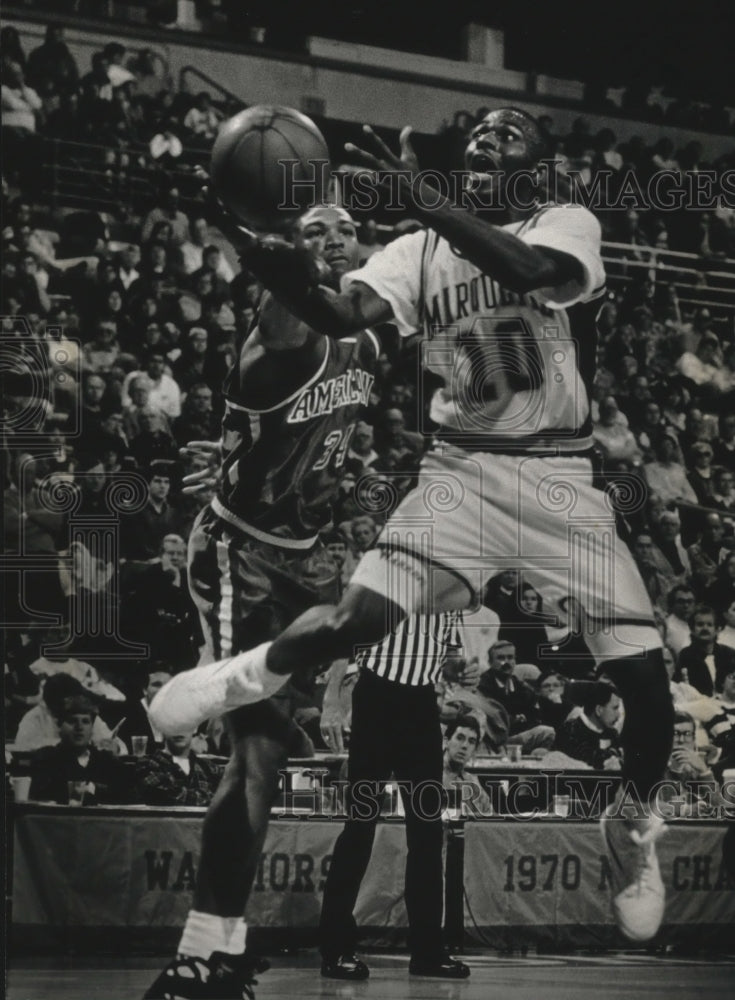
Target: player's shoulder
[(570, 216)]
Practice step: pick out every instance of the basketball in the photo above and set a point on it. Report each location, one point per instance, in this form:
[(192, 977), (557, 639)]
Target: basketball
[(269, 164)]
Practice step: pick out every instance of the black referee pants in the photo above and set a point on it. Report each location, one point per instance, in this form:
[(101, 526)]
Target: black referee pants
[(395, 731)]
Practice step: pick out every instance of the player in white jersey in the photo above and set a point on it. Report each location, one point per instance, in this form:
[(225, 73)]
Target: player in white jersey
[(506, 297)]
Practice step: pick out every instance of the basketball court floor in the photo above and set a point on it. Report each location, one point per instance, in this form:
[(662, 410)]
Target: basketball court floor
[(578, 977)]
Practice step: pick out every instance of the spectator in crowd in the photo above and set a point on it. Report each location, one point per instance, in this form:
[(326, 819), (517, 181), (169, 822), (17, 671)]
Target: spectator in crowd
[(706, 554), (461, 740), (554, 708), (726, 636), (139, 391), (724, 445), (192, 249), (722, 592), (53, 63), (501, 594), (363, 532), (721, 726), (153, 442), (689, 788), (592, 737), (723, 491), (681, 603), (666, 475), (361, 452), (176, 776), (166, 147), (700, 473), (93, 391), (654, 580), (159, 609), (163, 392), (11, 48), (136, 721), (517, 698), (612, 436), (127, 261), (198, 421), (203, 119), (526, 630), (96, 87), (39, 727), (101, 777), (669, 554), (141, 533), (195, 365), (168, 211), (339, 550), (395, 440), (116, 71), (101, 353), (681, 691), (704, 659)]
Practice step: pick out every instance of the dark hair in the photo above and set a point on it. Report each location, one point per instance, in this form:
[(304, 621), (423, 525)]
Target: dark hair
[(333, 537), (77, 705), (701, 609), (680, 716), (677, 589), (598, 694), (59, 687), (463, 722)]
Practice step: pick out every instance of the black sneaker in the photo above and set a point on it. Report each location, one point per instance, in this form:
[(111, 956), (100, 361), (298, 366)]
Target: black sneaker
[(443, 966), (221, 977), (347, 966)]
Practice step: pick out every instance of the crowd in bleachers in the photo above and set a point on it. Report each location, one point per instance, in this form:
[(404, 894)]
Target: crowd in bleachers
[(122, 346)]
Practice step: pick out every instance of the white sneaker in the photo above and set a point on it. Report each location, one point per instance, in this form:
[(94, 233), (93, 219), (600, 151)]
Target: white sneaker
[(639, 895), (209, 691)]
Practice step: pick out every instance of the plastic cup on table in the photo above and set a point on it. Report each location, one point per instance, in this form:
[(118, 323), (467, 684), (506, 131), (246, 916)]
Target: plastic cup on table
[(21, 788), (514, 753), (76, 790), (139, 745), (562, 805)]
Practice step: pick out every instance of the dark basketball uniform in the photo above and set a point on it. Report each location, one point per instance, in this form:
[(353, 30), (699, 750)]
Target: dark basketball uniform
[(255, 558)]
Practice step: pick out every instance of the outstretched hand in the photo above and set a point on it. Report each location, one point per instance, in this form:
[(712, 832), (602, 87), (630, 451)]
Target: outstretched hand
[(382, 158), (209, 477), (242, 238)]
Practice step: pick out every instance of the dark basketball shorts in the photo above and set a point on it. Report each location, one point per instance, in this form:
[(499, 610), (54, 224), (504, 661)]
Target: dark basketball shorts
[(247, 592)]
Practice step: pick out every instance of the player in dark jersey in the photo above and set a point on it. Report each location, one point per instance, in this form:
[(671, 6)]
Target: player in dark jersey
[(255, 563)]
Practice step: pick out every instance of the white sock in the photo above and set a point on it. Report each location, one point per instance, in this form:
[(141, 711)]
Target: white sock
[(238, 933), (204, 933)]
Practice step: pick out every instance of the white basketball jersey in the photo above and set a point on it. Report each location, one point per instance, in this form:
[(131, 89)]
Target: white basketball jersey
[(516, 369)]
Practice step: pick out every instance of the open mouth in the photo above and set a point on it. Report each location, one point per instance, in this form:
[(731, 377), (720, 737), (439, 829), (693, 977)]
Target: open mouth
[(483, 162)]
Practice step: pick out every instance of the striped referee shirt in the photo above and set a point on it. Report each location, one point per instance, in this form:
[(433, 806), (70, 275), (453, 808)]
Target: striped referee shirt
[(721, 727), (414, 652)]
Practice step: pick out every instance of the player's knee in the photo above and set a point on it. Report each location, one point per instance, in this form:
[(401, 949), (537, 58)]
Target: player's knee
[(361, 618)]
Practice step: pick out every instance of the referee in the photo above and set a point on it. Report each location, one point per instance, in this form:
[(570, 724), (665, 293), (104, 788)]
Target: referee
[(395, 731)]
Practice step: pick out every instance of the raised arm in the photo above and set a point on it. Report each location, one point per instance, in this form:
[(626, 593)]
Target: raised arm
[(282, 327), (512, 262)]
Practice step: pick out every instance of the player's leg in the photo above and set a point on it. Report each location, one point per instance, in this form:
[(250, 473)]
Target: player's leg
[(604, 589), (409, 571), (418, 766), (369, 766), (236, 823), (211, 959)]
